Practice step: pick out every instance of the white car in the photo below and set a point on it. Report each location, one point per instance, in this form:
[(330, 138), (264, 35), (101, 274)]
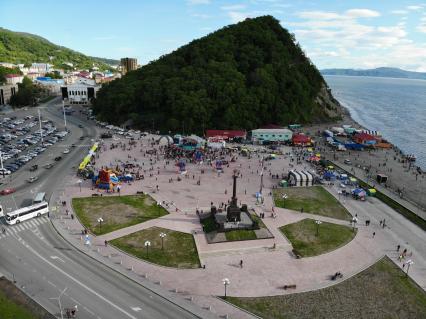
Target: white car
[(4, 171), (32, 179), (66, 151)]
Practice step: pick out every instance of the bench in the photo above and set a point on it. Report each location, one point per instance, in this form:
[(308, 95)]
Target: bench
[(139, 192), (94, 195)]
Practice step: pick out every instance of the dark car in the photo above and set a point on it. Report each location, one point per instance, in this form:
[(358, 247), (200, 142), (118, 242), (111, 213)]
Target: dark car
[(80, 126), (82, 138), (33, 168), (58, 158)]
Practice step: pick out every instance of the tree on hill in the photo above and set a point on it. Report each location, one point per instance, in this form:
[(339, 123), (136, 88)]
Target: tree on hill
[(19, 47), (54, 75), (241, 76)]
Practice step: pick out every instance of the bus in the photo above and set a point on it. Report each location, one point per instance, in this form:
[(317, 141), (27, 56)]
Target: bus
[(40, 197), (25, 213)]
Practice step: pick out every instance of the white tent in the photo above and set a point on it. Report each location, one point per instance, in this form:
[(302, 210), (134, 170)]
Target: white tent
[(165, 140)]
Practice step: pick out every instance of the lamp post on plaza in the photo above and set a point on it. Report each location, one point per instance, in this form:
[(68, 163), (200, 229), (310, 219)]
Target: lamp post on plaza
[(408, 263), (226, 283), (79, 183), (100, 221), (284, 197), (318, 222), (162, 235), (147, 245)]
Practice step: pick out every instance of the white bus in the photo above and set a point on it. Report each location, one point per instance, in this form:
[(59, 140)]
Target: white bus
[(25, 213)]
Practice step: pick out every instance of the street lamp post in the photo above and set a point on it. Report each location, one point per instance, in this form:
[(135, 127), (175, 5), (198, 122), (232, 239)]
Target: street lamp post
[(59, 301), (408, 263), (162, 235), (354, 221), (318, 222), (284, 197), (39, 122), (79, 183), (147, 245), (65, 116), (100, 221), (226, 283)]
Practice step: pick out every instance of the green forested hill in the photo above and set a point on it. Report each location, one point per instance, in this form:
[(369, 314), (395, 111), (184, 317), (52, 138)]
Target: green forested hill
[(241, 76), (20, 47)]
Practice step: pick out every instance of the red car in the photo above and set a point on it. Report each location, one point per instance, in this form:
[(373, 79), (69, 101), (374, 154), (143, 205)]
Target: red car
[(7, 191)]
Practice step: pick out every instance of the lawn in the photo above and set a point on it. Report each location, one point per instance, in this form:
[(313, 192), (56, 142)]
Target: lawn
[(305, 241), (15, 304), (381, 291), (179, 248), (116, 211), (314, 200), (240, 234)]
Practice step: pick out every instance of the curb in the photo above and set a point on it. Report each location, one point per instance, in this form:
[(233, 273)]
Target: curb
[(117, 271), (239, 308)]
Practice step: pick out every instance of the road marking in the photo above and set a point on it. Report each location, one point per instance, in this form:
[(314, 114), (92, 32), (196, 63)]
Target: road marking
[(136, 309), (79, 282), (51, 283), (56, 257), (33, 223)]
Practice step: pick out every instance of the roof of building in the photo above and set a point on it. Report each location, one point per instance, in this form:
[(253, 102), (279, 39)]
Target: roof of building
[(301, 138), (364, 137), (271, 126), (272, 130), (227, 133), (9, 76)]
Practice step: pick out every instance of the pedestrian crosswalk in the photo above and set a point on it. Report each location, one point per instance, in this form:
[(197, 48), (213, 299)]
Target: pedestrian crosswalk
[(31, 224)]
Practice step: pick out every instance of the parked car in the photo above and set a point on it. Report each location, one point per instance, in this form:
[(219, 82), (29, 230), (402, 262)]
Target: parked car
[(66, 151), (58, 158), (4, 171), (33, 168), (7, 191)]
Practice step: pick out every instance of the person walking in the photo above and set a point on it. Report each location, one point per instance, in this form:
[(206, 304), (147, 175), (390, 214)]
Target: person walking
[(398, 247), (241, 263), (374, 234)]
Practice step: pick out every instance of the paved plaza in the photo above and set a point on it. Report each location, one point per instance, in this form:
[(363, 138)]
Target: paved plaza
[(268, 263)]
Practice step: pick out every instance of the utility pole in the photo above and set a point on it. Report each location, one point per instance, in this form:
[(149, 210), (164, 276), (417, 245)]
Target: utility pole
[(1, 160), (65, 116), (39, 122)]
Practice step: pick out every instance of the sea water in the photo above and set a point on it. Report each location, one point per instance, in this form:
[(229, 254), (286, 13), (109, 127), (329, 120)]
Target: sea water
[(395, 107)]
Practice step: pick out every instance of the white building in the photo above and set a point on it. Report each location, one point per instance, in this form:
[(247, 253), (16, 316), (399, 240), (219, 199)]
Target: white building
[(14, 78), (272, 135), (79, 93)]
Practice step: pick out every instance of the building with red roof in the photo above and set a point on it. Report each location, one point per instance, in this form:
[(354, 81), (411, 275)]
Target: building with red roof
[(14, 78), (364, 139), (301, 140), (227, 134)]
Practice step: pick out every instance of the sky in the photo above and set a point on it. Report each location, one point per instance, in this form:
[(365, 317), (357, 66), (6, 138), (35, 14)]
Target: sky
[(333, 33)]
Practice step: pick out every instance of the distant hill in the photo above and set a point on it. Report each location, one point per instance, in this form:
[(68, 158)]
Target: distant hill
[(241, 76), (26, 48), (379, 72)]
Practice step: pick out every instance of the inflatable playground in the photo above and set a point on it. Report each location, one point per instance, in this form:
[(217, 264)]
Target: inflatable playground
[(110, 179)]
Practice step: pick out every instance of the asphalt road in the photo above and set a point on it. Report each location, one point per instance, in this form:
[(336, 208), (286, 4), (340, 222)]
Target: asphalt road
[(44, 264)]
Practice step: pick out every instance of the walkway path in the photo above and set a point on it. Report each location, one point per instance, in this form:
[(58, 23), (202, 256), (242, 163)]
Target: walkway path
[(265, 269)]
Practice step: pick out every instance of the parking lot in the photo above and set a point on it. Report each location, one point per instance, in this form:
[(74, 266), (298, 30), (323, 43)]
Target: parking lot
[(24, 138)]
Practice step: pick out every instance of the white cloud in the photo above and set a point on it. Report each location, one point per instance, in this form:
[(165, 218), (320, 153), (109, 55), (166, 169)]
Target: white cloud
[(362, 13), (319, 15), (399, 11), (196, 2), (414, 7), (234, 7), (237, 16), (422, 26), (201, 15)]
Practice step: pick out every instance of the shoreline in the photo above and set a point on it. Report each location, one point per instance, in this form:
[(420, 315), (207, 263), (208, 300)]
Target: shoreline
[(404, 180)]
